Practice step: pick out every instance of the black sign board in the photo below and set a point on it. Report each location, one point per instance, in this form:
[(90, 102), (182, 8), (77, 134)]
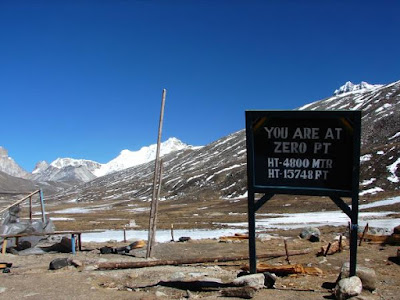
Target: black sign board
[(304, 152), (307, 153)]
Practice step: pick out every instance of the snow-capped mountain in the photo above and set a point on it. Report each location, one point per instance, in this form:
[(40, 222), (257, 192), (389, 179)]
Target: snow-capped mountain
[(81, 170), (40, 167), (218, 170), (128, 158), (9, 166), (349, 87), (67, 170), (380, 133)]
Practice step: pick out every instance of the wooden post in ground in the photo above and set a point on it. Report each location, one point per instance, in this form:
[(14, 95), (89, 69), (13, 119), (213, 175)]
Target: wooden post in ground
[(156, 176), (30, 208), (4, 247), (42, 206), (327, 249), (363, 234), (287, 252), (172, 233)]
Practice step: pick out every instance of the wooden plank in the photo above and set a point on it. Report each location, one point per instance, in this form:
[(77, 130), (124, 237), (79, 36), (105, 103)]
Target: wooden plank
[(285, 270), (19, 201), (382, 239), (188, 261)]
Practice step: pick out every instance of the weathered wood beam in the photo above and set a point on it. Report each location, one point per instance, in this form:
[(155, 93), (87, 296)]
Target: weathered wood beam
[(188, 261)]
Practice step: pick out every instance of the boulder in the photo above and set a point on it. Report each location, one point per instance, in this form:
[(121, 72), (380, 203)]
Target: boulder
[(184, 239), (245, 292), (396, 230), (65, 245), (348, 287), (270, 279), (256, 281), (106, 250), (59, 263), (311, 233), (367, 275)]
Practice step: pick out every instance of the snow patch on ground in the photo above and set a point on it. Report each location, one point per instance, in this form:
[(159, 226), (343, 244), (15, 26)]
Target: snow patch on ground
[(392, 169), (368, 182), (365, 158), (380, 203), (371, 191), (395, 136), (162, 236)]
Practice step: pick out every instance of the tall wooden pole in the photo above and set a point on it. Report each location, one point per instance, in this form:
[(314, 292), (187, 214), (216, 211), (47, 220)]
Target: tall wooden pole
[(156, 171), (156, 206)]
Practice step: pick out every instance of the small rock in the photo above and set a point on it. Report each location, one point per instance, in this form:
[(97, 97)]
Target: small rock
[(348, 287), (23, 245), (106, 250), (190, 295), (245, 292), (323, 260), (269, 280), (184, 239), (59, 263), (367, 275), (91, 267), (256, 281), (178, 276), (76, 263), (2, 289), (337, 238), (161, 294), (310, 233), (65, 245)]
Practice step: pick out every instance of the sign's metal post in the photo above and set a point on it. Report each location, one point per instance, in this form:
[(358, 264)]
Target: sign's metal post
[(250, 201), (355, 189), (353, 242), (252, 233)]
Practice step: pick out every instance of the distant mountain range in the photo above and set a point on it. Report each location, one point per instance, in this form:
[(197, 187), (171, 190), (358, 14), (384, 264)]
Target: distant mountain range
[(218, 170), (72, 171)]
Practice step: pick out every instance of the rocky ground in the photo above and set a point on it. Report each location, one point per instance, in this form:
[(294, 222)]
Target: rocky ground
[(30, 277)]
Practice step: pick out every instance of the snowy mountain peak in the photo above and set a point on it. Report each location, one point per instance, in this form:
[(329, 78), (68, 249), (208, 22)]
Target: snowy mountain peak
[(128, 158), (9, 166), (60, 163), (40, 167), (351, 87)]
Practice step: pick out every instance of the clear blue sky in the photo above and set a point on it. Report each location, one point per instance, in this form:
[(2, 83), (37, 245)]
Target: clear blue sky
[(83, 79)]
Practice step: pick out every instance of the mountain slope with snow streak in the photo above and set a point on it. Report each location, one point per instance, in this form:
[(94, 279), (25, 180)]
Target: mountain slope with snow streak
[(218, 170), (190, 173), (380, 132)]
